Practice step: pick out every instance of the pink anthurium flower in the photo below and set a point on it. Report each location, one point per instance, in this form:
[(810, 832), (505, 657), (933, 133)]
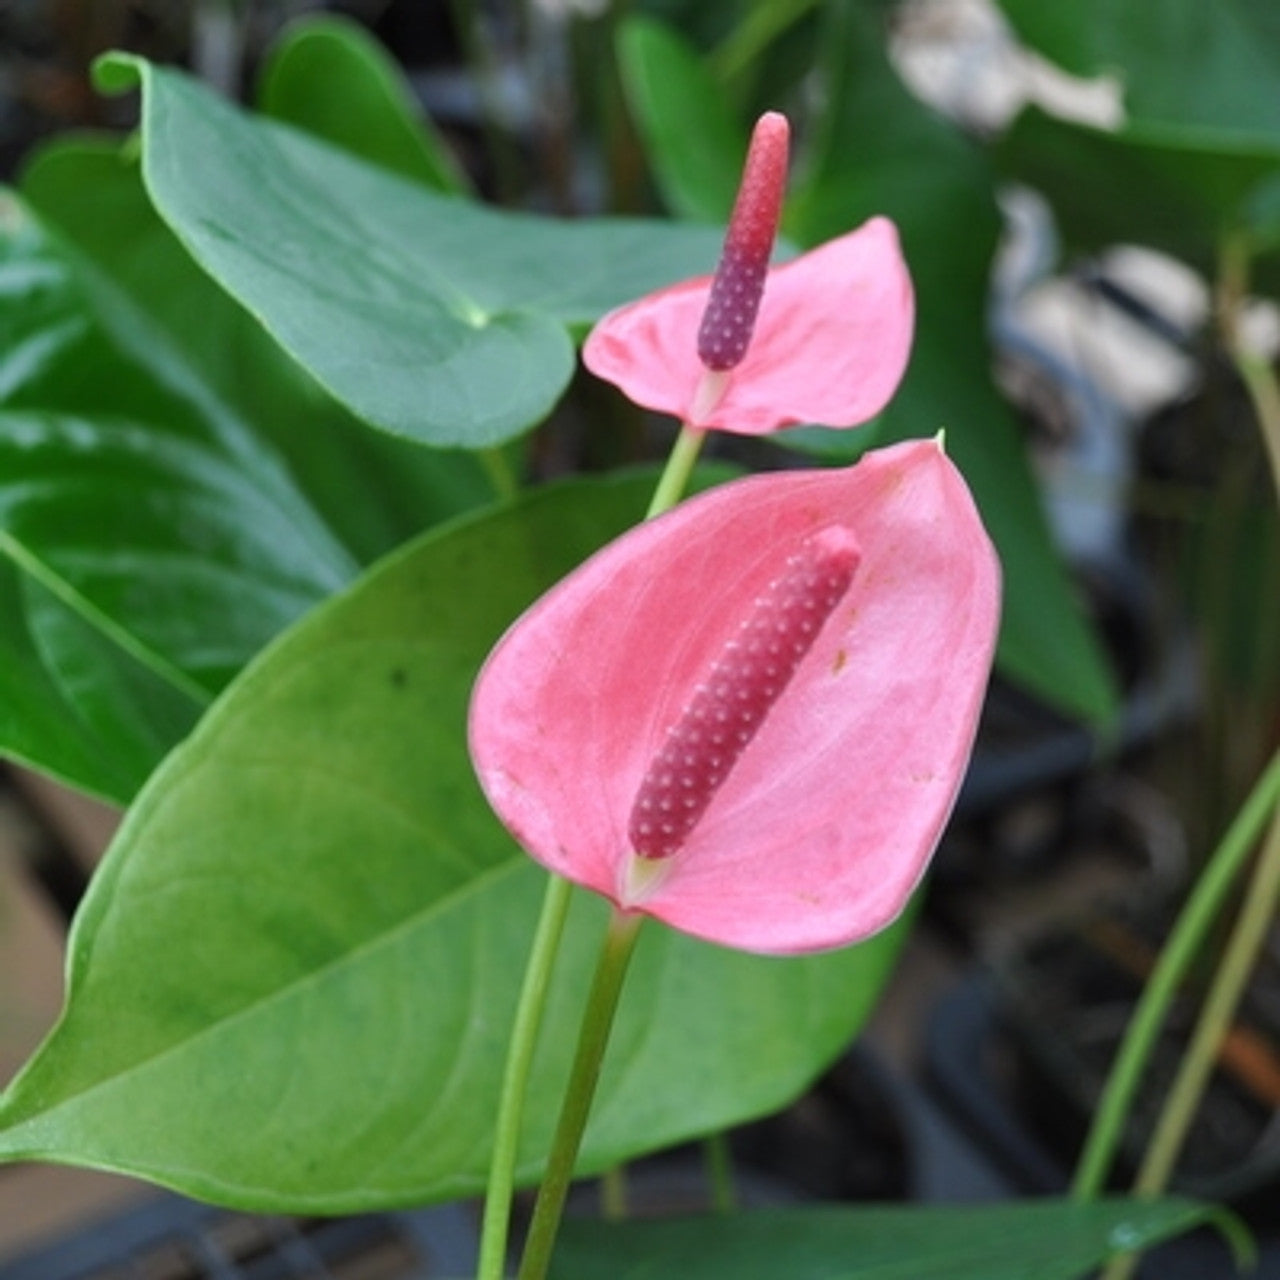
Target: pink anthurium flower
[(750, 717), (829, 333)]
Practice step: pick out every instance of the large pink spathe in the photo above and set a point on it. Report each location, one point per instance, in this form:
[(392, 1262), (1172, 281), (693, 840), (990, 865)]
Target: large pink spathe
[(830, 345), (828, 817)]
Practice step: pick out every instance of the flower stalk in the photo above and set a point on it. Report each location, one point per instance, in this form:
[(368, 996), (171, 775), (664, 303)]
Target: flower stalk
[(597, 1021)]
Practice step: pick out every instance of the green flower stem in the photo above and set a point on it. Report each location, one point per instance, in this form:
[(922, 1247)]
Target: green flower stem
[(1184, 942), (597, 1020), (613, 1193), (1261, 898), (546, 942), (1256, 373), (498, 471), (761, 25), (1259, 379), (524, 1038), (724, 1196), (675, 476)]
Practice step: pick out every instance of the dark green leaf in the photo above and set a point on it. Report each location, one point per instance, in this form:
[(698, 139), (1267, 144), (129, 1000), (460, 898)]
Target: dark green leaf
[(42, 723), (373, 490), (293, 978), (1173, 189), (882, 152), (327, 75), (1038, 1240), (1208, 67), (694, 142), (428, 316)]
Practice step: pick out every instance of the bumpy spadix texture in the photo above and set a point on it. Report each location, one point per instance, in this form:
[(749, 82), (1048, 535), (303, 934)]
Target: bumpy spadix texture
[(826, 819), (744, 681), (725, 331)]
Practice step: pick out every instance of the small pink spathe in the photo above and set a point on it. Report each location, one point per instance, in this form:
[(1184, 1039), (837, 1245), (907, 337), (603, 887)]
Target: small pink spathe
[(830, 345), (827, 820)]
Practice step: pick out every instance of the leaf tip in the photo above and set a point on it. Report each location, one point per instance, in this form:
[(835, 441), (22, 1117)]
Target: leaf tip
[(117, 72)]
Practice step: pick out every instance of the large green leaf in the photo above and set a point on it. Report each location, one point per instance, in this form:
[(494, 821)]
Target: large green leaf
[(880, 151), (1211, 67), (693, 140), (1176, 189), (373, 490), (327, 75), (1036, 1240), (135, 504), (293, 978), (105, 743), (429, 316)]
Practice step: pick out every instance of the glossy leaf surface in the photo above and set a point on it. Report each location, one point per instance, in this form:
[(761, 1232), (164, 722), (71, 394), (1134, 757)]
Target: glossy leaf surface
[(374, 491), (313, 889), (427, 315), (1047, 1240)]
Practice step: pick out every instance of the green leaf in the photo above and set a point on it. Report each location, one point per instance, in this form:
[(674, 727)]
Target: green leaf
[(1211, 67), (426, 315), (292, 980), (166, 523), (1047, 1240), (327, 75), (694, 142), (1170, 188), (42, 721), (881, 151), (373, 490), (180, 549)]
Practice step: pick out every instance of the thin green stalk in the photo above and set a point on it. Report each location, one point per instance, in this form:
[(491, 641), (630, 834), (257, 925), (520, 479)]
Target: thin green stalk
[(1256, 373), (761, 25), (533, 994), (724, 1195), (1259, 378), (597, 1021), (675, 476), (1179, 951), (497, 469), (524, 1038), (1261, 898), (613, 1193)]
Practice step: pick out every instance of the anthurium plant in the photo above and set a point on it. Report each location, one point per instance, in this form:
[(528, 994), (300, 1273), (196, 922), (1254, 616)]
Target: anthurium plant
[(484, 829)]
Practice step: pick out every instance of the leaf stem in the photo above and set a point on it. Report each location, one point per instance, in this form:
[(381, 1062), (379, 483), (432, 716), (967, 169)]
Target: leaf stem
[(1261, 897), (597, 1020), (524, 1038), (533, 994), (719, 1161), (675, 475), (1260, 900), (499, 472), (1179, 951), (1255, 371)]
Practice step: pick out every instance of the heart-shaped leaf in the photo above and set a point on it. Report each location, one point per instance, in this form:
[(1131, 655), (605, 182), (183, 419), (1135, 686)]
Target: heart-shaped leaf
[(292, 980), (429, 316)]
